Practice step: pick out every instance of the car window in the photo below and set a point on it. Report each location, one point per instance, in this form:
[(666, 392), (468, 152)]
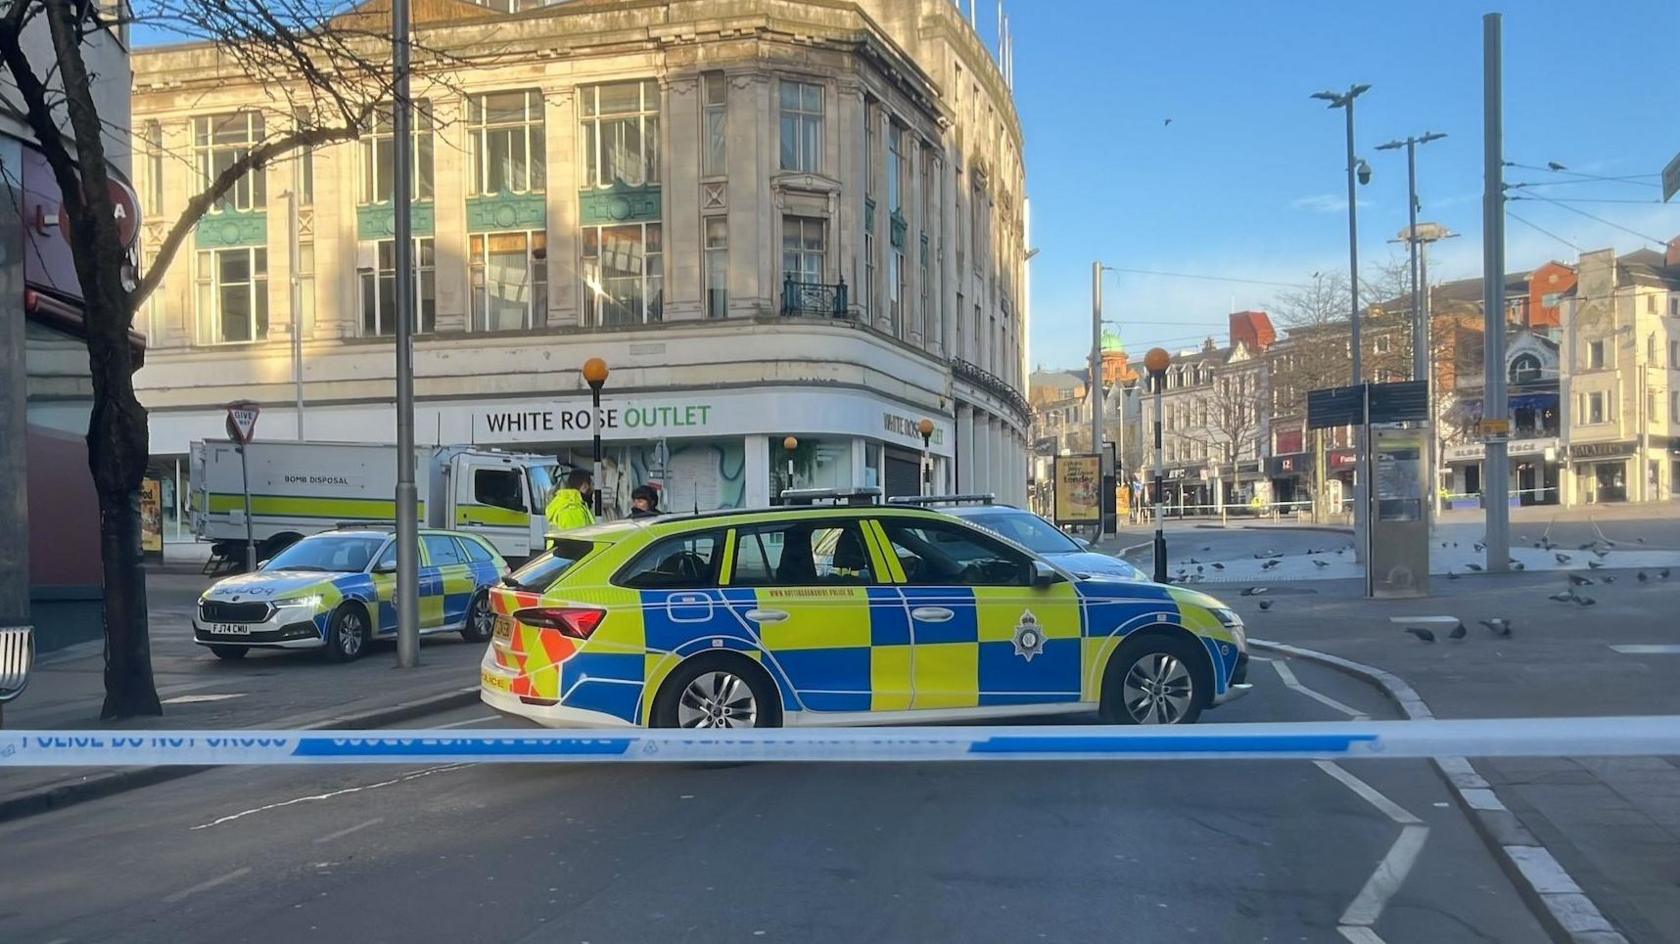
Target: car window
[(338, 553), (946, 553), (802, 554), (680, 562), (474, 551), (441, 550), (541, 572), (387, 560), (1026, 529), (498, 487)]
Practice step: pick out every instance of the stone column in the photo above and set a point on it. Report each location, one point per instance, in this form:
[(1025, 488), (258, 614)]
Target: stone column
[(680, 146), (565, 179), (757, 451), (451, 166), (965, 447), (754, 221)]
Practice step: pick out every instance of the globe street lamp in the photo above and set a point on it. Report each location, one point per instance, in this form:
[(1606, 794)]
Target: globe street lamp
[(925, 427), (595, 374), (790, 444), (1156, 362)]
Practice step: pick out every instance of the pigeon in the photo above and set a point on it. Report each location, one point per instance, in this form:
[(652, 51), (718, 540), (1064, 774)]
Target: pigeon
[(1443, 544), (1218, 566), (1517, 565), (1663, 573), (1587, 546), (1595, 564), (1640, 540), (1270, 564), (1585, 601), (1165, 122), (1479, 546), (1642, 577), (1206, 548), (1499, 627), (1555, 166), (1567, 596), (1457, 632), (1451, 575), (1200, 570), (1562, 558), (1192, 561), (1599, 554), (1609, 578), (1576, 580), (1475, 567), (1319, 563), (1265, 604), (1254, 591), (1422, 633)]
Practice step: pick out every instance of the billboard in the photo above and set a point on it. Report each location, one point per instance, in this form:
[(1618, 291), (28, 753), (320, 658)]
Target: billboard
[(1078, 489)]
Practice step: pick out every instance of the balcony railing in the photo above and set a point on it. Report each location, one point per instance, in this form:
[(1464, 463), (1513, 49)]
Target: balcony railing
[(993, 384), (813, 299)]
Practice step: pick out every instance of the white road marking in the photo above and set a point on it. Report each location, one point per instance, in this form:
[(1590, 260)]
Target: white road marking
[(1290, 681), (1647, 650), (1368, 793), (1360, 935), (195, 699), (1391, 873), (329, 795), (329, 837), (206, 886), (469, 721)]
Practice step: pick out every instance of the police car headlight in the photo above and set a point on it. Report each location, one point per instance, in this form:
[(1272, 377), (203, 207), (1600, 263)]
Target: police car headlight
[(1232, 622), (302, 603)]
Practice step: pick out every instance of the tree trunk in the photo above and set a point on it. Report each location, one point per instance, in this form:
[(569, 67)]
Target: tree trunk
[(117, 451)]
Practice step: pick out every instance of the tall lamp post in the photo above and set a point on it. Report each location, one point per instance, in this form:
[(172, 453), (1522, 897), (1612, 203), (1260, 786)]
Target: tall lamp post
[(408, 496), (595, 374), (1156, 362), (925, 427), (790, 445)]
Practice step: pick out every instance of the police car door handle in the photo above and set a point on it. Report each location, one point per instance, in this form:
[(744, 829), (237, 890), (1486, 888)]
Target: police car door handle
[(767, 616), (931, 614)]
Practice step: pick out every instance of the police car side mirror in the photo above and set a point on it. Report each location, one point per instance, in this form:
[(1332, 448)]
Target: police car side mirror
[(385, 567), (1043, 575), (1082, 542), (263, 563)]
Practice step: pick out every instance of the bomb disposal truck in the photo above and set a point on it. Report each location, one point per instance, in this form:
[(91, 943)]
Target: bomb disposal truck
[(299, 488)]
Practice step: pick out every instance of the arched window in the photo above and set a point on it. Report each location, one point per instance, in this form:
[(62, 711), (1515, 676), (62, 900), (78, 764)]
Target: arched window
[(1525, 369)]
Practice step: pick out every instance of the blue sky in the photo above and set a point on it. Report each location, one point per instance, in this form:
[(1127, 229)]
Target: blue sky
[(1247, 181)]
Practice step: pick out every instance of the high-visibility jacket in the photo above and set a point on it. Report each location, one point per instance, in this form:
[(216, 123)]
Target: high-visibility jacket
[(567, 510)]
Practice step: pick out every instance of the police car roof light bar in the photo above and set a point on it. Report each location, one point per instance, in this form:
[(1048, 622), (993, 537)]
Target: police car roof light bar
[(865, 495), (365, 526), (925, 500)]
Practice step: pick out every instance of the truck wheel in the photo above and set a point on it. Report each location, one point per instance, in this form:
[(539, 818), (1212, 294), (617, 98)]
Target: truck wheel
[(347, 635), (481, 622), (230, 653)]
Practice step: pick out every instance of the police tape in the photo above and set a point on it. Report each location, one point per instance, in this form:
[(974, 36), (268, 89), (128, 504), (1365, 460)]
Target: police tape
[(1528, 737)]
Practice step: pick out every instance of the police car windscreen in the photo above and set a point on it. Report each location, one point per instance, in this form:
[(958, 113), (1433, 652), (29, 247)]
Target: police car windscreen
[(1028, 530), (543, 571)]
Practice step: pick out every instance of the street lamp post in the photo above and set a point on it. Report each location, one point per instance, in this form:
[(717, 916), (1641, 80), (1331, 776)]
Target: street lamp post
[(925, 427), (1355, 167), (408, 496), (595, 374), (1420, 328), (790, 445), (1156, 362)]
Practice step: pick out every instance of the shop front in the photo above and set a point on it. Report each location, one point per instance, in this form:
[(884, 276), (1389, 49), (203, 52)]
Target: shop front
[(1602, 471), (1535, 472), (1290, 476), (704, 449)]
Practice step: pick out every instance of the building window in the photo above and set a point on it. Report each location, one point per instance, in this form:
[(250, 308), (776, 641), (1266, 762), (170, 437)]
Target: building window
[(1674, 353), (232, 295), (1651, 304), (377, 154), (927, 293), (621, 134), (219, 142), (804, 245), (1381, 345), (623, 274), (1674, 307), (802, 126), (509, 280), (151, 196), (1525, 369), (717, 267), (505, 135), (714, 122), (379, 289), (895, 169), (1595, 408), (1595, 354)]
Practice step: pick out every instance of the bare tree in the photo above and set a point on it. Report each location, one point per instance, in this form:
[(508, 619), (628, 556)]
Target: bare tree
[(329, 72), (1233, 415)]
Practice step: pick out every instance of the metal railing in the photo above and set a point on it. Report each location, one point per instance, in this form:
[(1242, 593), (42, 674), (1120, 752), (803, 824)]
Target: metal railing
[(993, 384), (814, 299)]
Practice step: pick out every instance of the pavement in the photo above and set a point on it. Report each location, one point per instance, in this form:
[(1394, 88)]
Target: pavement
[(266, 689), (1364, 851)]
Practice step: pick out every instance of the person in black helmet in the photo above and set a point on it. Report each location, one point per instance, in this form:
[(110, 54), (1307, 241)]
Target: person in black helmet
[(644, 502)]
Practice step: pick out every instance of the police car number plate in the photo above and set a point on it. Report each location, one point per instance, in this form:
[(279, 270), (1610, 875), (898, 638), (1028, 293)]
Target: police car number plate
[(504, 628), (230, 629)]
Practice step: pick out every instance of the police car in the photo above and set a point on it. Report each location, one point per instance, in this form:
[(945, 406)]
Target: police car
[(1032, 532), (333, 591), (850, 613)]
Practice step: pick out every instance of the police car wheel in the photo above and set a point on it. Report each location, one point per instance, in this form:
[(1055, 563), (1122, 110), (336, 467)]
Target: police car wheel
[(230, 653), (347, 635), (1157, 680), (481, 622), (714, 691)]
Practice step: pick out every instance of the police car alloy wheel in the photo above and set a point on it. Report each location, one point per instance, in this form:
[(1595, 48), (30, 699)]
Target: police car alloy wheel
[(709, 692), (1155, 681), (480, 621), (348, 634)]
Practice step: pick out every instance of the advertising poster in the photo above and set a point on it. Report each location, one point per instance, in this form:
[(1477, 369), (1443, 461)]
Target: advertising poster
[(1078, 494), (151, 517)]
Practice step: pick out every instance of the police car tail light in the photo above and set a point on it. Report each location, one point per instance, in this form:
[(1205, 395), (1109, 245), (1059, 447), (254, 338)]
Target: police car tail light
[(575, 621)]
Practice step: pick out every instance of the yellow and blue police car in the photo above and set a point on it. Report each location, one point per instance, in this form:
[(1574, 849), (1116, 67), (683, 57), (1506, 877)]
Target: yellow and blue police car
[(333, 591), (851, 613)]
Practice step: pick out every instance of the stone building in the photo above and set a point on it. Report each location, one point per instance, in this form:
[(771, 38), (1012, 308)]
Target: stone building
[(769, 217)]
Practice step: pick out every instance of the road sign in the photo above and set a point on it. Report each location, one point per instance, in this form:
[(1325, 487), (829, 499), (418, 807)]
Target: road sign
[(1496, 427), (1671, 179), (242, 421)]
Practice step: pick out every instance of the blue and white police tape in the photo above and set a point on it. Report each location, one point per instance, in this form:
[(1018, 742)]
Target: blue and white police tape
[(1532, 737)]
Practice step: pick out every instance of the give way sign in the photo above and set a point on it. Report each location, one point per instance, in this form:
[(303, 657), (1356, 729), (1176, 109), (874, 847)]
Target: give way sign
[(242, 421)]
